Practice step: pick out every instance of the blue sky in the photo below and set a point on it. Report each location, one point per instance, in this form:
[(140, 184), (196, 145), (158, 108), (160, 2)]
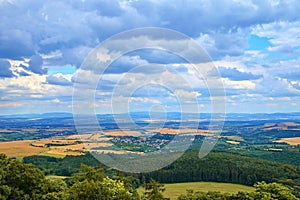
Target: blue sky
[(255, 46)]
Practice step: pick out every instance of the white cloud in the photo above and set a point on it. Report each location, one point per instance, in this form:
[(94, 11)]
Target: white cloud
[(66, 36)]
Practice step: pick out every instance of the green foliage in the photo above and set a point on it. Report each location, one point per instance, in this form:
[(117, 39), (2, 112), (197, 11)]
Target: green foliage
[(191, 195), (153, 191), (62, 166), (23, 181), (223, 167), (88, 173), (91, 184), (264, 191), (19, 181), (275, 190)]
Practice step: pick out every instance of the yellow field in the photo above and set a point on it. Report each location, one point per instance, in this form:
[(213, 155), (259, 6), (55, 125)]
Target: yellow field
[(235, 138), (78, 144), (184, 130), (122, 133), (173, 191), (44, 142), (20, 148), (50, 147), (290, 141), (233, 142), (282, 125)]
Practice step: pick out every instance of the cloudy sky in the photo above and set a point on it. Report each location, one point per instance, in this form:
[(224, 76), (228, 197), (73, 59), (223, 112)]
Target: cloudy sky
[(254, 45)]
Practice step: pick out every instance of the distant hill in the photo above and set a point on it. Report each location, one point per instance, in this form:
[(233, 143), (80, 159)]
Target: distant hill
[(169, 116), (38, 115)]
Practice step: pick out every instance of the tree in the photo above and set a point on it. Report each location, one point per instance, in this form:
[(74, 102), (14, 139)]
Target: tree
[(24, 181), (191, 195), (263, 191), (153, 191), (274, 190), (90, 183)]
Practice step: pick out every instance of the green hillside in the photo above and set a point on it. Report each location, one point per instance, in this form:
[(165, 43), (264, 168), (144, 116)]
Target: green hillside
[(175, 189)]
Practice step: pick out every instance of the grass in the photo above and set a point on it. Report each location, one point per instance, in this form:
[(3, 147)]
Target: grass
[(52, 155), (54, 177), (174, 190)]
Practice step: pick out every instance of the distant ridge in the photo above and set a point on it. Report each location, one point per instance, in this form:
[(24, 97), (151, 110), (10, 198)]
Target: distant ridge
[(37, 115), (170, 116)]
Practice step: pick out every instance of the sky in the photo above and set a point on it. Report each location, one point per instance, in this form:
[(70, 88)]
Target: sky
[(254, 46)]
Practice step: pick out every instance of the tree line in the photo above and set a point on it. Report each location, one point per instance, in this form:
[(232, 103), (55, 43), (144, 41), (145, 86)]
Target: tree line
[(19, 181), (216, 167)]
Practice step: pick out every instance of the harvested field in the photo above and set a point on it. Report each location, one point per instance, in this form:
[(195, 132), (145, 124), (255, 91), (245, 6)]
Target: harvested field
[(122, 133), (184, 130), (236, 138), (20, 148), (290, 141)]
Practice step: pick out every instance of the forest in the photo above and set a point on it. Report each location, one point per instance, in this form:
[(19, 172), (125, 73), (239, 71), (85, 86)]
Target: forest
[(216, 167), (23, 181)]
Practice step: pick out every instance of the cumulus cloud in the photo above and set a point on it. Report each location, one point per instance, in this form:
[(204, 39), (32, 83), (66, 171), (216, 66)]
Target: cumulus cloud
[(58, 79), (15, 43), (32, 34), (225, 43), (36, 65), (125, 64), (291, 75), (276, 31), (86, 23), (236, 75)]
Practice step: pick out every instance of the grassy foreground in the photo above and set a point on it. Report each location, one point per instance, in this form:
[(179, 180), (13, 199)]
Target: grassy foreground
[(175, 189)]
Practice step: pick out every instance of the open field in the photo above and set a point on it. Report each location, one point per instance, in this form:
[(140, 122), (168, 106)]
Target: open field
[(63, 145), (60, 146), (290, 141), (280, 126), (185, 131), (20, 148), (235, 138), (175, 189), (122, 133)]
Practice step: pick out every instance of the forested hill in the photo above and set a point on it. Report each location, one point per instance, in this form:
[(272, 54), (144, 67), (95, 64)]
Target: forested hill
[(21, 181), (224, 167), (217, 166)]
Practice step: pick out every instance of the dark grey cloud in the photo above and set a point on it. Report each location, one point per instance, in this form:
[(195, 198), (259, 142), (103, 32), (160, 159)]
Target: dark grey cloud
[(225, 43), (192, 17), (125, 64), (55, 79), (5, 71), (36, 65), (106, 85), (23, 73), (32, 27), (15, 43), (236, 75), (158, 56)]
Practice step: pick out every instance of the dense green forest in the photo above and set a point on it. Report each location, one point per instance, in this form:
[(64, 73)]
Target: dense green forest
[(224, 167), (262, 191), (23, 181), (216, 167)]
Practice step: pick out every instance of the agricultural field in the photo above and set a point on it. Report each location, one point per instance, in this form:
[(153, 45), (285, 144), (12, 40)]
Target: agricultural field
[(56, 146), (175, 189), (20, 148), (290, 141)]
